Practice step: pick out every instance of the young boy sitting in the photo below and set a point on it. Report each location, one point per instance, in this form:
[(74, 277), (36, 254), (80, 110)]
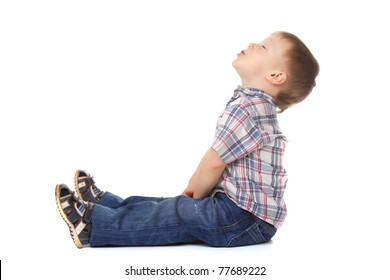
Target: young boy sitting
[(235, 196)]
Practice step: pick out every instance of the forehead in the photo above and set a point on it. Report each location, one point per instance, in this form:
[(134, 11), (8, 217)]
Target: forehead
[(277, 40), (276, 43)]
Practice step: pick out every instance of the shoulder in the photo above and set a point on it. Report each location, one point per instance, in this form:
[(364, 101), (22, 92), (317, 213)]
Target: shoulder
[(255, 106)]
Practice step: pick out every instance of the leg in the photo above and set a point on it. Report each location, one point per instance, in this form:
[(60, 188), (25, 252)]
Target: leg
[(216, 221), (111, 200)]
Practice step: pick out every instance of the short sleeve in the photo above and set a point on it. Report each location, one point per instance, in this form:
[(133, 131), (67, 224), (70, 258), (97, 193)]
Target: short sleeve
[(236, 134)]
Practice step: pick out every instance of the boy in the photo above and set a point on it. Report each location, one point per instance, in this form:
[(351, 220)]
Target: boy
[(235, 196)]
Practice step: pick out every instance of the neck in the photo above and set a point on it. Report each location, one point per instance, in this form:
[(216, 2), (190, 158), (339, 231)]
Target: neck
[(259, 85)]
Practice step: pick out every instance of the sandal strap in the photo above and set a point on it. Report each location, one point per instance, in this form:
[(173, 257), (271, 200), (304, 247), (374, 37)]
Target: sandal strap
[(99, 196), (65, 200), (88, 213), (86, 182), (80, 227), (68, 203)]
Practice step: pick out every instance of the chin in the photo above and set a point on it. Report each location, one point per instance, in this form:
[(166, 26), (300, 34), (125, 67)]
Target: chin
[(235, 64)]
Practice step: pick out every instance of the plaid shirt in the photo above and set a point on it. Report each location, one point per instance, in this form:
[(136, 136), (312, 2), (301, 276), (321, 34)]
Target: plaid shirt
[(248, 139)]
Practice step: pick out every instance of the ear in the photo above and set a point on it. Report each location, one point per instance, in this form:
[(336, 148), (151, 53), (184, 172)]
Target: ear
[(277, 77)]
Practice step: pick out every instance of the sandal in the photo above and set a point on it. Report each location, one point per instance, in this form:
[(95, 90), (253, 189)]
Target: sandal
[(86, 188), (76, 213)]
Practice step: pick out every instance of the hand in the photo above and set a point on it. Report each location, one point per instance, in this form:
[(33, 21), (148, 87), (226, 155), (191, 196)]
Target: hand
[(188, 192)]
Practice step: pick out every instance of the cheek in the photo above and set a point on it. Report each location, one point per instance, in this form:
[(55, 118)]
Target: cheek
[(248, 66), (253, 66)]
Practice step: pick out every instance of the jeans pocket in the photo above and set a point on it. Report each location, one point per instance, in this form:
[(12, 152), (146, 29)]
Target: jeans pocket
[(250, 236)]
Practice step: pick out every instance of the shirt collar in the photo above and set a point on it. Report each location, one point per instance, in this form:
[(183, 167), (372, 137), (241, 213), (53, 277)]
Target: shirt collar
[(252, 92)]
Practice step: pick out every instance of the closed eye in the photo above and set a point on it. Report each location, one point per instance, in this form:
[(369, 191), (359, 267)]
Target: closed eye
[(264, 47)]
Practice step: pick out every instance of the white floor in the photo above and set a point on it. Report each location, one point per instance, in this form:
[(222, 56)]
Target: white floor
[(320, 250)]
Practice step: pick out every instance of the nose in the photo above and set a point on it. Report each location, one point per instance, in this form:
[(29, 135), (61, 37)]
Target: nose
[(251, 45)]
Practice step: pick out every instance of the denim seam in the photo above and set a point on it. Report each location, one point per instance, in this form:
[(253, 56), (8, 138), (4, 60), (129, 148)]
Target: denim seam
[(238, 223), (259, 237)]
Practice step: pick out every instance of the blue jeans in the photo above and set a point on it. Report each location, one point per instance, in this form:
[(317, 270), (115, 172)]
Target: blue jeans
[(216, 221)]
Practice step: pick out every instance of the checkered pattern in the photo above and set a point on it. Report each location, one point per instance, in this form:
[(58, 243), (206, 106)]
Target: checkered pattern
[(248, 139)]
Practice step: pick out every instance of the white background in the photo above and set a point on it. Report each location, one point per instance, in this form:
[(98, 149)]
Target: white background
[(131, 90)]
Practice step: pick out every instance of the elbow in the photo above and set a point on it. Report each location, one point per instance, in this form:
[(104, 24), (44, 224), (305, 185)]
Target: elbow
[(219, 165)]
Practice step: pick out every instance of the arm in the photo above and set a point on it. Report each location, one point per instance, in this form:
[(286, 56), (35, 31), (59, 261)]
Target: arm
[(206, 175)]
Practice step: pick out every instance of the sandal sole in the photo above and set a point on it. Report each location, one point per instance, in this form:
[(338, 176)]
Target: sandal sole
[(72, 229)]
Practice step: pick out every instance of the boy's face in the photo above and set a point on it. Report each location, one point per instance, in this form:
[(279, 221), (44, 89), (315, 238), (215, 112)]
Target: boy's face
[(262, 59)]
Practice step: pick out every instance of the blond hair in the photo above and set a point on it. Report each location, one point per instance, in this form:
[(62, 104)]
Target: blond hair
[(302, 70)]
